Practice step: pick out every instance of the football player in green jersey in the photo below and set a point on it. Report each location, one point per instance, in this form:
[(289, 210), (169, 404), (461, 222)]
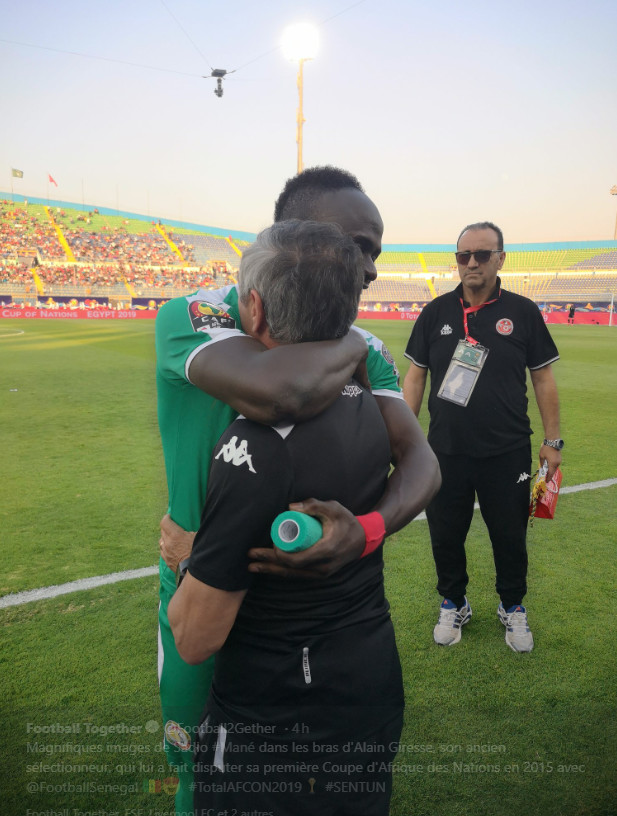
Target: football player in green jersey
[(209, 371)]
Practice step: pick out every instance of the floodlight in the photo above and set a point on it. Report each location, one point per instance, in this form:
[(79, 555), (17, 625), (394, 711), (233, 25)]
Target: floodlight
[(300, 42)]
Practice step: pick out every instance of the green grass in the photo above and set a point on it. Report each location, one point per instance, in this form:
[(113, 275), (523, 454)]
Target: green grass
[(553, 707), (81, 459), (82, 492)]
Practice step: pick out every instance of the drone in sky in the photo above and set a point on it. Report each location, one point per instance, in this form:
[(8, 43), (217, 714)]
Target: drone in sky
[(219, 74)]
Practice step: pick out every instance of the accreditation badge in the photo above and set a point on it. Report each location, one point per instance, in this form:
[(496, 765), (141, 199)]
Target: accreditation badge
[(463, 372)]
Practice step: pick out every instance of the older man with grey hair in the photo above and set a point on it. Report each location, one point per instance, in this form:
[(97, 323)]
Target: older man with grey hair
[(306, 670), (294, 263)]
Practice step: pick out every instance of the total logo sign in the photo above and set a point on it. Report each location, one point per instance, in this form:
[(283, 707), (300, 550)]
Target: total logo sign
[(504, 326)]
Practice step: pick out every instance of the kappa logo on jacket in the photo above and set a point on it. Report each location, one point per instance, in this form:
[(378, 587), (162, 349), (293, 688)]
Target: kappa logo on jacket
[(236, 454), (446, 329)]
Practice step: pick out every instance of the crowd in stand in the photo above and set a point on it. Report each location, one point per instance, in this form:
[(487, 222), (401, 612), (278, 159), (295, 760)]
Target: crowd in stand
[(59, 276), (118, 245), (110, 257), (73, 275), (19, 273), (23, 234), (177, 277)]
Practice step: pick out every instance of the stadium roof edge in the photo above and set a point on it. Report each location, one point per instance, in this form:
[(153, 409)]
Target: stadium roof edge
[(168, 222), (250, 236)]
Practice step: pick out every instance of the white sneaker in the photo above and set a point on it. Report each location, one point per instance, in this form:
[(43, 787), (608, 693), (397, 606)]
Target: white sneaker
[(518, 634), (447, 632)]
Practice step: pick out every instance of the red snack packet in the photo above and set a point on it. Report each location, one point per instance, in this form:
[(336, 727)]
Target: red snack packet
[(545, 504)]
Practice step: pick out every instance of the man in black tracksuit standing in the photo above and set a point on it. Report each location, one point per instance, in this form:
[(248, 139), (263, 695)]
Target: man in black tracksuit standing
[(477, 342)]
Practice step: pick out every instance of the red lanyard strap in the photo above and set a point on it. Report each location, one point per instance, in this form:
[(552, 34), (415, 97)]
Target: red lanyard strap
[(467, 310)]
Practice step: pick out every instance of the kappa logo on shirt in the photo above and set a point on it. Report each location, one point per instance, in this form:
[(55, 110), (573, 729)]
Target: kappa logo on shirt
[(236, 454), (204, 317), (446, 329)]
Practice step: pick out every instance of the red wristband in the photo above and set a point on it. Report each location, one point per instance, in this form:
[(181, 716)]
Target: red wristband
[(374, 531)]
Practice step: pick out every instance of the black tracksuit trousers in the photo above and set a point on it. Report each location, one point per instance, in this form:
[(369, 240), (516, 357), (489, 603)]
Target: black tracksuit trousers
[(504, 503)]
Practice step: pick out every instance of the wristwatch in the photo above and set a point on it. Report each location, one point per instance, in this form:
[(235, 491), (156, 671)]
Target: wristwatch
[(181, 571), (554, 443)]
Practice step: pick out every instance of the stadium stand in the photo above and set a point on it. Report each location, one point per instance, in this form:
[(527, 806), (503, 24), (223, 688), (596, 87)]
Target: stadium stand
[(605, 260), (577, 287), (387, 291), (58, 251), (49, 251), (538, 260), (210, 247)]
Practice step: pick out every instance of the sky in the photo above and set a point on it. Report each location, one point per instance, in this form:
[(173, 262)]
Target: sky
[(448, 112)]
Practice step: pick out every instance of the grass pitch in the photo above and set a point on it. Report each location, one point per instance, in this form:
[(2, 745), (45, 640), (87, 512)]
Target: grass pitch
[(487, 733)]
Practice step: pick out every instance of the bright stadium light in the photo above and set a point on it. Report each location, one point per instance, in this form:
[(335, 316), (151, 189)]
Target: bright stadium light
[(300, 43)]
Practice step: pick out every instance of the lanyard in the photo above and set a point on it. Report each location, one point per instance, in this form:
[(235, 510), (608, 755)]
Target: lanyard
[(467, 310)]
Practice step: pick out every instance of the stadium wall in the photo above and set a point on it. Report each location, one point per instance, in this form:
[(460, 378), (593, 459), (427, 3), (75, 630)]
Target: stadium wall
[(582, 318), (79, 314)]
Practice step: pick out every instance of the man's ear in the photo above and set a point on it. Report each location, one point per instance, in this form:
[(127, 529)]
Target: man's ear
[(256, 314)]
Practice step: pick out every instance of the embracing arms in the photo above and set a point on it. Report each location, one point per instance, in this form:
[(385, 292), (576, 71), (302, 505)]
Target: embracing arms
[(412, 483), (201, 617), (287, 383)]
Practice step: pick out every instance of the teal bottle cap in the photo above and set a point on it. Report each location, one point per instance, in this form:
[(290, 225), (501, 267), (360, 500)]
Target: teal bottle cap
[(292, 531)]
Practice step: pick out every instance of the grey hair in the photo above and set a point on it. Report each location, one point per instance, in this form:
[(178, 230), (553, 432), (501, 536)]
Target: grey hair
[(309, 276), (483, 225)]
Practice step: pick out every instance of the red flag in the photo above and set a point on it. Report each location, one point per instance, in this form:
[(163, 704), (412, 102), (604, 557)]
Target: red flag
[(52, 180)]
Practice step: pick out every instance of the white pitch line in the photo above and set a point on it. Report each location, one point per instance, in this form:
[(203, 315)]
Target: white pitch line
[(19, 598), (571, 489)]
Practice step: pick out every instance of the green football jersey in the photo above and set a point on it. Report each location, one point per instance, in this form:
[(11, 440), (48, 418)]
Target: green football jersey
[(192, 421)]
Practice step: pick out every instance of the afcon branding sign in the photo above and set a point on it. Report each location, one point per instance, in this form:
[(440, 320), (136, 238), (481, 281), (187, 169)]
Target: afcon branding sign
[(178, 736), (205, 317), (387, 355)]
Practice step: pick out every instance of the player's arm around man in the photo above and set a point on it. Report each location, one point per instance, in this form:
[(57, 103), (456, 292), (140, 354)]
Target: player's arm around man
[(201, 348), (224, 371), (415, 474), (283, 384)]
